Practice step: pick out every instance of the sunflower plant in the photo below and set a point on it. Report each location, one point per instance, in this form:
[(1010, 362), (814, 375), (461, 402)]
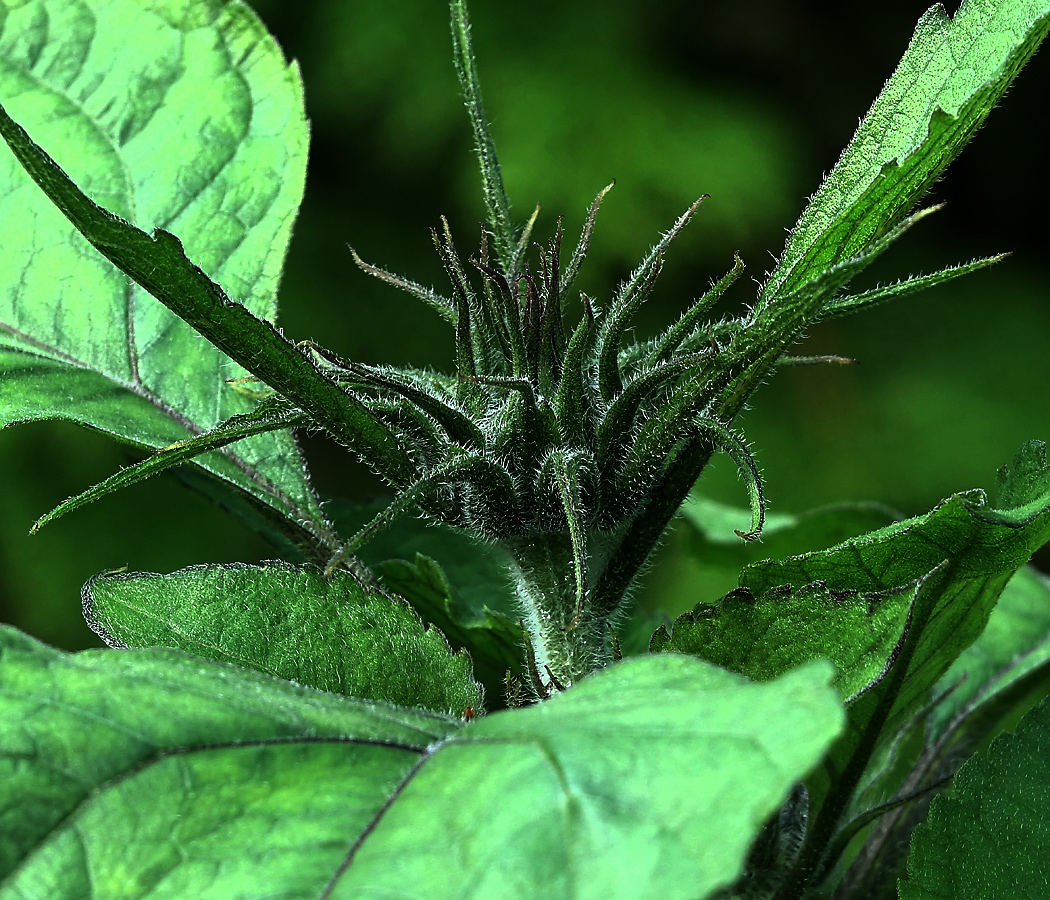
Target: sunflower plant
[(444, 706)]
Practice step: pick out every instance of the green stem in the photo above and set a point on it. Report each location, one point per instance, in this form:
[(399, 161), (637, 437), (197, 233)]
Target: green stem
[(544, 571)]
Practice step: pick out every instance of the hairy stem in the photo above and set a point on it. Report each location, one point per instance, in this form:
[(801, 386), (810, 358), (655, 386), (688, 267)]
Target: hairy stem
[(544, 573)]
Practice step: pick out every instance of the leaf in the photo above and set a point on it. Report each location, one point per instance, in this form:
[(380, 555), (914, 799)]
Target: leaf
[(957, 558), (952, 74), (923, 588), (990, 837), (493, 640), (289, 622), (454, 582), (123, 96), (997, 678), (270, 415), (648, 779), (148, 772)]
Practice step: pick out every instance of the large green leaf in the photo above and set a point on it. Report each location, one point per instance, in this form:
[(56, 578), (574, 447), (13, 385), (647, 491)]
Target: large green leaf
[(495, 642), (990, 837), (184, 117), (997, 678), (151, 774), (1014, 647), (290, 622), (952, 74)]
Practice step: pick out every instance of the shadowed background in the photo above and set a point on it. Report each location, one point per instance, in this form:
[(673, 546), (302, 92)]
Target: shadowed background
[(747, 100)]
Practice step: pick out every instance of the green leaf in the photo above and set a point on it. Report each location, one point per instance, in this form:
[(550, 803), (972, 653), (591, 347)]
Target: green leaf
[(270, 415), (951, 563), (648, 779), (922, 588), (952, 74), (455, 583), (995, 680), (147, 772), (289, 622), (123, 96), (990, 837), (493, 640)]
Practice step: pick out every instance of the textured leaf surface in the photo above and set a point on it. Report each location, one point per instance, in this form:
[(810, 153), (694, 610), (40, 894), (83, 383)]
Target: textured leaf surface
[(455, 583), (148, 773), (939, 574), (648, 779), (185, 117), (990, 837), (494, 641), (289, 622), (950, 77)]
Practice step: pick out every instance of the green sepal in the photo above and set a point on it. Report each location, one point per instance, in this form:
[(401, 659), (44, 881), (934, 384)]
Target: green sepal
[(496, 203), (442, 305), (272, 415), (845, 306), (672, 339), (617, 425), (630, 295), (580, 253), (574, 404), (457, 425)]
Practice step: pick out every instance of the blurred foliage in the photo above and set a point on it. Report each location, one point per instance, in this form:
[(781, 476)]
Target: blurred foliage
[(748, 100)]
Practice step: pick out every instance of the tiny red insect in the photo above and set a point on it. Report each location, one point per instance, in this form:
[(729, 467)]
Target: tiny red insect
[(468, 713)]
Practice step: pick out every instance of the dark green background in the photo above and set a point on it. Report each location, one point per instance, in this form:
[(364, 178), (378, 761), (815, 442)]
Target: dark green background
[(748, 100)]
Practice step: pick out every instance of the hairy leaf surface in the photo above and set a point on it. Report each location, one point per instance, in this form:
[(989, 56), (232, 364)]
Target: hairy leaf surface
[(952, 74), (646, 780), (150, 773), (934, 578), (290, 622)]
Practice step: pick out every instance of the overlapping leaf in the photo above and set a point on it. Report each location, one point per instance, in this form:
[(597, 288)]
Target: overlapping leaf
[(290, 622), (936, 577), (196, 124), (160, 775), (704, 555), (148, 772), (454, 582)]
